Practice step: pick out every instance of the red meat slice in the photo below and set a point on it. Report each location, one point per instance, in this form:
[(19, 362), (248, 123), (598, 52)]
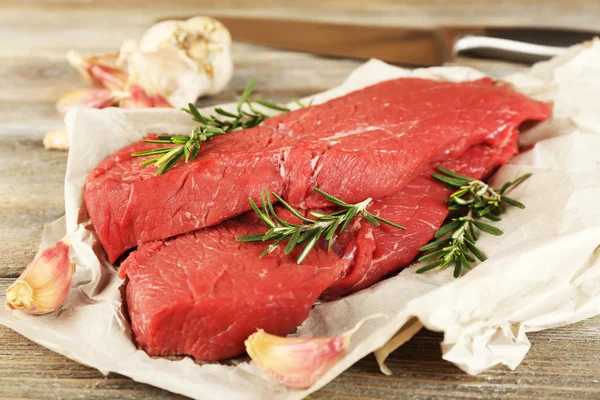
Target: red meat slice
[(369, 143), (202, 294), (128, 205), (421, 206)]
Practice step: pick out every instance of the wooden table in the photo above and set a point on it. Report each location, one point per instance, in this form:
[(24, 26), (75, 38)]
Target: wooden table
[(34, 36)]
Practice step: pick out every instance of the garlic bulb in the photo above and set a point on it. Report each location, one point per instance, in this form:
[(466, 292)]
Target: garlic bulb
[(175, 63), (166, 75), (203, 40), (45, 283), (298, 362)]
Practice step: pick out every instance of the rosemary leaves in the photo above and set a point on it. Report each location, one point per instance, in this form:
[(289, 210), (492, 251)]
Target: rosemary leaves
[(187, 147), (241, 119), (309, 231), (472, 201)]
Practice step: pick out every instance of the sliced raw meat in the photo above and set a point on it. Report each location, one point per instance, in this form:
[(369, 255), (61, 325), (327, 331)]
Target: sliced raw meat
[(369, 143), (128, 205), (421, 208), (202, 294)]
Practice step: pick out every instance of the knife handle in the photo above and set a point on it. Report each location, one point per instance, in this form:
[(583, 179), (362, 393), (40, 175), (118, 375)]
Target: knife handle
[(504, 49)]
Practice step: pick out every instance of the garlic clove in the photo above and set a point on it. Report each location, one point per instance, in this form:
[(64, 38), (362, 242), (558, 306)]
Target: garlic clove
[(138, 98), (295, 362), (159, 101), (45, 283), (298, 362), (94, 98), (100, 71), (56, 140)]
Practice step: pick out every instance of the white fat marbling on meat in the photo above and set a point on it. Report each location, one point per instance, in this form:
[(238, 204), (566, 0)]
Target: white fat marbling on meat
[(282, 161), (351, 132), (314, 161), (190, 216)]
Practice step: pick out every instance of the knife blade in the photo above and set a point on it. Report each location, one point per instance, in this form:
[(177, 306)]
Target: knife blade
[(525, 45), (408, 46)]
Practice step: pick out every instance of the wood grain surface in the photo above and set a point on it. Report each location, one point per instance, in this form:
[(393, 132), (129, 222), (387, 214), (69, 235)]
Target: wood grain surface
[(34, 36)]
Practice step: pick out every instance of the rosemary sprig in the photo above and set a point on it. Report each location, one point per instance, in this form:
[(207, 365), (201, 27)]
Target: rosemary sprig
[(456, 240), (301, 104), (309, 231), (241, 118), (186, 146), (220, 123)]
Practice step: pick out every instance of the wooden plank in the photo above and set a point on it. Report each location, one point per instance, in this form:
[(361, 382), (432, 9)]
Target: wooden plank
[(127, 15), (31, 194), (30, 371)]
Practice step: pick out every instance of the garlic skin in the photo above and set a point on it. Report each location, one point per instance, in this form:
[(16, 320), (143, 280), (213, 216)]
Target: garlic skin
[(94, 98), (165, 73), (138, 98), (204, 41), (101, 71), (296, 362), (107, 79), (44, 285)]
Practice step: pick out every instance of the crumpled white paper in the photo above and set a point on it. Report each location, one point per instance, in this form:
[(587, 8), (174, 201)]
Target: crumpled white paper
[(543, 272)]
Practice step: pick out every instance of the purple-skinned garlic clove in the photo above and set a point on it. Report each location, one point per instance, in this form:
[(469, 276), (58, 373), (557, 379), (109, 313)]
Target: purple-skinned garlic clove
[(94, 98), (44, 285), (138, 98), (298, 362), (101, 71)]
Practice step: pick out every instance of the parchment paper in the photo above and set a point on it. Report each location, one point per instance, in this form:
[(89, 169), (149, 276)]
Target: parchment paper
[(543, 272)]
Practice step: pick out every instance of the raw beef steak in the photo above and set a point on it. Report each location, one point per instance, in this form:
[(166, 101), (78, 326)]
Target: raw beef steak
[(369, 143), (383, 250), (202, 294)]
